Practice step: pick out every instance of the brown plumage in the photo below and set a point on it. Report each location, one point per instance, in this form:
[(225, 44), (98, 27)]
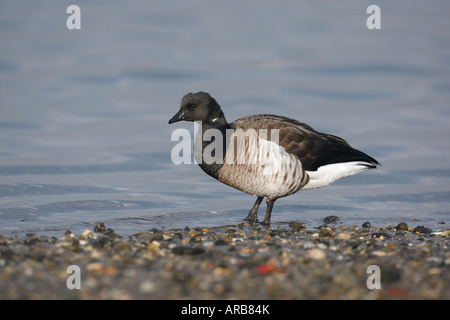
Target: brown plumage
[(313, 148), (277, 156)]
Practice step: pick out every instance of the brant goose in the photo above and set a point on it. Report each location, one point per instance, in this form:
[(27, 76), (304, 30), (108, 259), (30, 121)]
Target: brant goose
[(266, 155)]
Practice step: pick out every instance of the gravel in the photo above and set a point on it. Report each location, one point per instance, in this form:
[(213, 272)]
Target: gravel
[(243, 261)]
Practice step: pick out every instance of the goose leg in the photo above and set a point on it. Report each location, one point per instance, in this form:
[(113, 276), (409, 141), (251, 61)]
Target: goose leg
[(270, 203), (253, 214)]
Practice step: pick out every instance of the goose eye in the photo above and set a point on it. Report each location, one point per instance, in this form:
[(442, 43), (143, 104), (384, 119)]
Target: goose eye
[(191, 106)]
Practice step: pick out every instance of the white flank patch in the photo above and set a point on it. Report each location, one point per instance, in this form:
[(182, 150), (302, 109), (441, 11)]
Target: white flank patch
[(271, 171), (333, 172)]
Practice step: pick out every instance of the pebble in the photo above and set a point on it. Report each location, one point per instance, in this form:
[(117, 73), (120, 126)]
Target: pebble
[(402, 227), (326, 232), (422, 230), (297, 225), (331, 219), (188, 250), (366, 224), (344, 236), (316, 254), (445, 233)]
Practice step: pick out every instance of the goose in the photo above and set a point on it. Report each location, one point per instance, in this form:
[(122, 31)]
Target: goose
[(266, 155)]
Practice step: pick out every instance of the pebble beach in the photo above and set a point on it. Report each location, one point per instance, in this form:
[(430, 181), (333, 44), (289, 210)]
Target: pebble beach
[(238, 262)]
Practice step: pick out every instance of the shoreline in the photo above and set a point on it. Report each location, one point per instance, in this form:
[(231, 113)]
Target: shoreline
[(240, 262)]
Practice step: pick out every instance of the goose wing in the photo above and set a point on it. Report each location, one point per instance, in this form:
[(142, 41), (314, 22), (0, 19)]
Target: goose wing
[(313, 148)]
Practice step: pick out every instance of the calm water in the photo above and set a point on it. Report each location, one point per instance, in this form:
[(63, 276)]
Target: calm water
[(83, 126)]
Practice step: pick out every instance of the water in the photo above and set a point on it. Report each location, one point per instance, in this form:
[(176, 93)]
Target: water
[(83, 127)]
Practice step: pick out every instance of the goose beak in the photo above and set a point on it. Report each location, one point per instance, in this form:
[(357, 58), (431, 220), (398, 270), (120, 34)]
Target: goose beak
[(179, 116)]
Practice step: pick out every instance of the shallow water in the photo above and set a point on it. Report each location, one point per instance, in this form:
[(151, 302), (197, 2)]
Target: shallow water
[(83, 127)]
